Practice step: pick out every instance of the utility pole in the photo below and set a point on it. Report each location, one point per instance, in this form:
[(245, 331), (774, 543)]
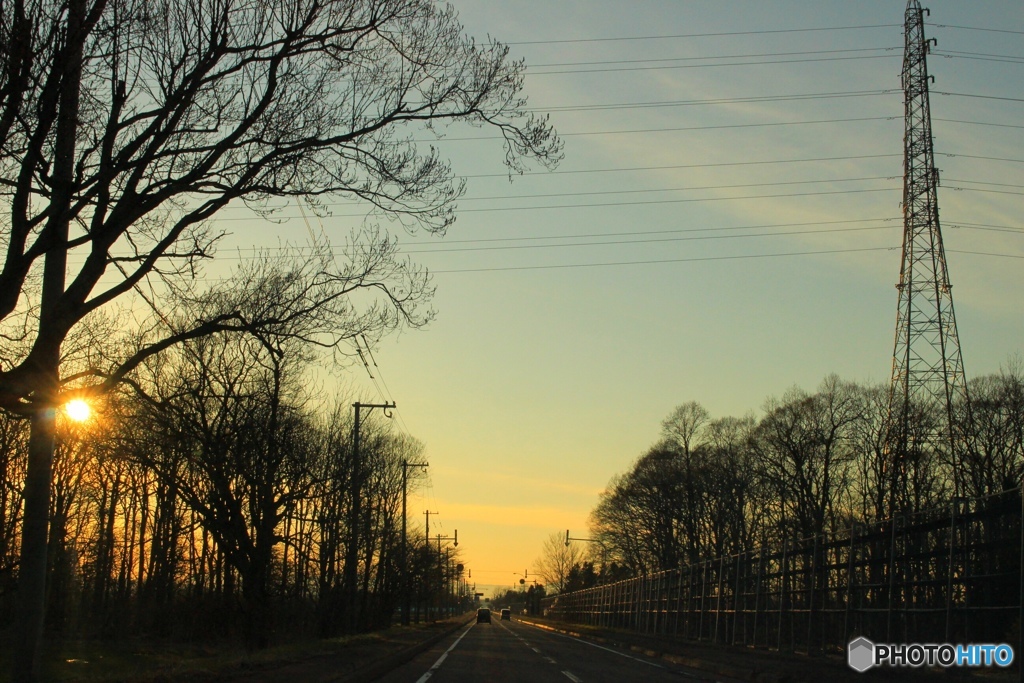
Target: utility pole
[(428, 513), (406, 592), (426, 570), (927, 365), (355, 512), (443, 571)]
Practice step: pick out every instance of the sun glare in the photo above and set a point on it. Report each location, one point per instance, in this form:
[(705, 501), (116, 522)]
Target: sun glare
[(77, 410)]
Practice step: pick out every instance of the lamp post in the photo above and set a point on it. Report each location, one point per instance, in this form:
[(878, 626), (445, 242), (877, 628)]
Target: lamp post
[(568, 539)]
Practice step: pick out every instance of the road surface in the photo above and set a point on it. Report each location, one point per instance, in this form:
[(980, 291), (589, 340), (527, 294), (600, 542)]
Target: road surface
[(515, 652)]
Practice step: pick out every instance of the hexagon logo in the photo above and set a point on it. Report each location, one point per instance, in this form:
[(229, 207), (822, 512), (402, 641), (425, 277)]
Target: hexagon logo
[(861, 654)]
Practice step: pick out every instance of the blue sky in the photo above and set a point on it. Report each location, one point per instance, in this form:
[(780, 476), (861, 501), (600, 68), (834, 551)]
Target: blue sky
[(754, 221)]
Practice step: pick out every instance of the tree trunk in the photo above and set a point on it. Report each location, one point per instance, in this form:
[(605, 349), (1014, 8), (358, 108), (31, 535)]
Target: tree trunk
[(34, 541)]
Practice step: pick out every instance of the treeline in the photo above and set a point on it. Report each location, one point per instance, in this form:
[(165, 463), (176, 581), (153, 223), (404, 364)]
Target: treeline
[(212, 496), (812, 463), (526, 600)]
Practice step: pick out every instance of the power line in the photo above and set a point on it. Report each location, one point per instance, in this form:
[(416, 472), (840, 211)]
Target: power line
[(676, 129), (709, 66), (985, 253), (660, 236), (672, 201), (981, 58), (658, 261), (721, 100), (978, 123), (702, 35), (604, 193), (977, 28), (602, 62), (979, 97), (977, 182), (975, 156), (657, 202), (593, 205), (608, 235), (986, 226), (681, 166), (661, 240), (948, 155), (674, 231)]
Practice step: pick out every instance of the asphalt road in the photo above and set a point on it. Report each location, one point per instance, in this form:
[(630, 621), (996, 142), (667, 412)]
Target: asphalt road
[(514, 652)]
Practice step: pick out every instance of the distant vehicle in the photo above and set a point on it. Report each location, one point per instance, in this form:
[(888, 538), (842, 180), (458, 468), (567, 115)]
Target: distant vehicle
[(506, 614), (483, 616)]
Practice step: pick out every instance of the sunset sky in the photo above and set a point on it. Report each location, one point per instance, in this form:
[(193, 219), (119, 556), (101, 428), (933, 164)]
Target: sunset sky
[(725, 225)]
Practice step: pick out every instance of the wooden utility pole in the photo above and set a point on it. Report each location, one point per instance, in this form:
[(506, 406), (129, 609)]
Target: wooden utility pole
[(406, 592), (355, 512)]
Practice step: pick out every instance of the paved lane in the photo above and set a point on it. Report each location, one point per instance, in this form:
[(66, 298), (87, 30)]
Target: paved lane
[(513, 652)]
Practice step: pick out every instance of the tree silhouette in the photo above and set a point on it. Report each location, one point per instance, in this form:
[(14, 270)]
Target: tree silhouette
[(126, 125)]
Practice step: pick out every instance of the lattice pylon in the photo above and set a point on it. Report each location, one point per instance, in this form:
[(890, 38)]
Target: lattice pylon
[(927, 364)]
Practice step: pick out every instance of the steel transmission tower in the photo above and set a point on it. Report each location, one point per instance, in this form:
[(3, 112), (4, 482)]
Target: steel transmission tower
[(927, 366)]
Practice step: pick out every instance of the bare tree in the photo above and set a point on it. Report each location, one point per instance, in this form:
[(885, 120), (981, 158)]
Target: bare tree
[(804, 448), (557, 560), (683, 429), (234, 410), (125, 125), (997, 406), (618, 528), (13, 437)]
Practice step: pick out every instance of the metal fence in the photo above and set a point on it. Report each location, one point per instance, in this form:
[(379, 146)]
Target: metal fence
[(945, 575)]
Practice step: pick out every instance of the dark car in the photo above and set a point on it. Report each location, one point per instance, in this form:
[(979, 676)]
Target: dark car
[(483, 616), (506, 614)]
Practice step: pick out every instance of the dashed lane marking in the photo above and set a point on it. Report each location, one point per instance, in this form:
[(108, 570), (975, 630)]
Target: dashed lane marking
[(571, 677), (606, 649)]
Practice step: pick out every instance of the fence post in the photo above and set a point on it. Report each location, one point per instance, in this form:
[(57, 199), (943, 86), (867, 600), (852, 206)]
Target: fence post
[(663, 599), (949, 574), (757, 593), (782, 589), (718, 601), (648, 599), (892, 581), (736, 603), (849, 585), (679, 598), (811, 590), (703, 592)]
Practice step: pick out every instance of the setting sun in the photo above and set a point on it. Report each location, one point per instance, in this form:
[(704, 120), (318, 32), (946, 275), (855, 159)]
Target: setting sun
[(77, 410)]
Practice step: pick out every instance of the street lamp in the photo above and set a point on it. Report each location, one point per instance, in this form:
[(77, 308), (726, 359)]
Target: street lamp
[(585, 540)]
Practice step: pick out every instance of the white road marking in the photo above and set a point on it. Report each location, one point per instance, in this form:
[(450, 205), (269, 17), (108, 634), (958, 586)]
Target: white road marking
[(606, 649), (574, 679), (440, 660), (551, 660)]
